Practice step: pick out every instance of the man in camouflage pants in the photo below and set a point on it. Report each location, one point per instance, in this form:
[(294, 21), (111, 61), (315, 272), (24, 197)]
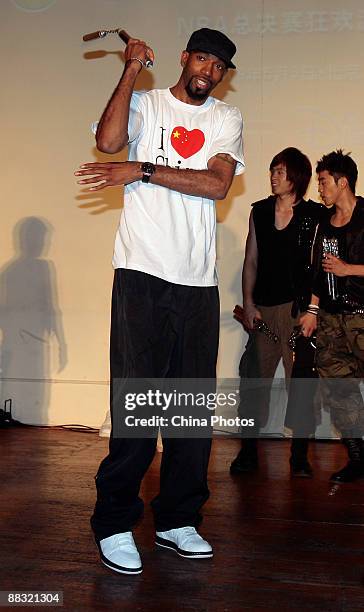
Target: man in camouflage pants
[(339, 290)]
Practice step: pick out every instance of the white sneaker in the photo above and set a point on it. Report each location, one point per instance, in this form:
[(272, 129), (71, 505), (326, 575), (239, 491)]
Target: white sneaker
[(119, 553), (105, 429), (185, 541)]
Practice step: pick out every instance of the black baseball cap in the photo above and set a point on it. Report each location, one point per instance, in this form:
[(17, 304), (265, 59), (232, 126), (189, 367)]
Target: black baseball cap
[(213, 41)]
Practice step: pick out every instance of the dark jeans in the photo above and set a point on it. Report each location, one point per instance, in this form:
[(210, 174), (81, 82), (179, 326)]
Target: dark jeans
[(158, 330)]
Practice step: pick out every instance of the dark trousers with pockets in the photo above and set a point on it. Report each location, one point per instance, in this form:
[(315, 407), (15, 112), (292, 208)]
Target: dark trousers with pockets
[(158, 330)]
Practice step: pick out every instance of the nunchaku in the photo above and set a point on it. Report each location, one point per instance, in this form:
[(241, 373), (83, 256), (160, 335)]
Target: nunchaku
[(259, 325), (297, 333), (125, 37), (262, 327)]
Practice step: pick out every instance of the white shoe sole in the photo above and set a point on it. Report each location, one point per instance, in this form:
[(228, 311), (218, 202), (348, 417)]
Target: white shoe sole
[(121, 570), (183, 553)]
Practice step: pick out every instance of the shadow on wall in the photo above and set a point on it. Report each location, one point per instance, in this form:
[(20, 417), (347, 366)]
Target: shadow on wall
[(226, 85), (230, 254), (107, 200), (30, 321), (236, 190)]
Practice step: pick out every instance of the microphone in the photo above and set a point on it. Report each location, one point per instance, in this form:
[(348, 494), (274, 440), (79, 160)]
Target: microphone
[(125, 37)]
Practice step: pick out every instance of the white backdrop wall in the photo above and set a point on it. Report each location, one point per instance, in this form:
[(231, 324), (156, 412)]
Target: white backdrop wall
[(299, 83)]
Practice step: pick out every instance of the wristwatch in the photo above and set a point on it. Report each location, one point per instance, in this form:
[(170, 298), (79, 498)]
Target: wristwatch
[(148, 169)]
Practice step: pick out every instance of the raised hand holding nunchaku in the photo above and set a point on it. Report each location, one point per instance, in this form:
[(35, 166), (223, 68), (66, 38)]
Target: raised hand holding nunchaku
[(147, 61), (112, 131)]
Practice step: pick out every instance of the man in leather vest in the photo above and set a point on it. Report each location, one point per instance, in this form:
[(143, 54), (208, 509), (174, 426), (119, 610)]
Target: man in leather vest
[(276, 288)]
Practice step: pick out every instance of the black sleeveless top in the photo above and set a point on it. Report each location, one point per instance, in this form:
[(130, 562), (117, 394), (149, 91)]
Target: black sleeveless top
[(284, 256)]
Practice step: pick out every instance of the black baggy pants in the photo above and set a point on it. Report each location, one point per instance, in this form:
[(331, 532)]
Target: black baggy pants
[(158, 330)]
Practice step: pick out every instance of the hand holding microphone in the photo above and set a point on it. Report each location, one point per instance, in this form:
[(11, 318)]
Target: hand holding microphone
[(135, 49)]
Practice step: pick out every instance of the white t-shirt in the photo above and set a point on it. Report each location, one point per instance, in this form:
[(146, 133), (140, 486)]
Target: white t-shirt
[(162, 232)]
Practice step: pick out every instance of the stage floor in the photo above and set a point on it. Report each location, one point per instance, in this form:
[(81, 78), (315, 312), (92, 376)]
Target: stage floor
[(279, 543)]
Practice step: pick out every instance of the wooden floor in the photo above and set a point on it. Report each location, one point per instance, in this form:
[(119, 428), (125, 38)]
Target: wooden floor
[(280, 544)]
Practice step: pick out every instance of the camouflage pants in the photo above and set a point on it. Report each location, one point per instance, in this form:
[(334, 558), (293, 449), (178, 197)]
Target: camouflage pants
[(340, 362)]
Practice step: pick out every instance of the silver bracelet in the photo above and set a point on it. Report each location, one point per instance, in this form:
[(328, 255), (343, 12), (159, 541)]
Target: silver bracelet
[(137, 59)]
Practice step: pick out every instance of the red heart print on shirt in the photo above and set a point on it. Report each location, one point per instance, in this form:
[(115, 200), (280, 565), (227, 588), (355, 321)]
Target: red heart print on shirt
[(187, 143)]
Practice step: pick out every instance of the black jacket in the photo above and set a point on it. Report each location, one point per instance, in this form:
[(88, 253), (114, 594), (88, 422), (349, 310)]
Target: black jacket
[(351, 288)]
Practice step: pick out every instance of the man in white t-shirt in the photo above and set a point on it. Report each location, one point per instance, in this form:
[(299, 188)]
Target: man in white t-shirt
[(184, 149)]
